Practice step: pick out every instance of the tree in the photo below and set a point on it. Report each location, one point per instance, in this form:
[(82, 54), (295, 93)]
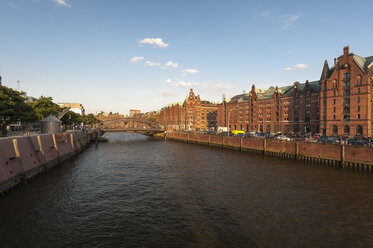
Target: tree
[(90, 119), (45, 106), (13, 108), (153, 121), (71, 117)]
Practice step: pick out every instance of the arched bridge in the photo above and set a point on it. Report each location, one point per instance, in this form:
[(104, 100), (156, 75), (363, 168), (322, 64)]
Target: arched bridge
[(145, 131)]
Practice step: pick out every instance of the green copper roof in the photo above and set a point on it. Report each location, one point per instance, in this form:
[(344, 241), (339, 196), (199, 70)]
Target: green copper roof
[(362, 62)]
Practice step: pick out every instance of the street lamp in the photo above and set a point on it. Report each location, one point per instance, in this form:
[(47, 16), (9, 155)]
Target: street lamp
[(229, 114)]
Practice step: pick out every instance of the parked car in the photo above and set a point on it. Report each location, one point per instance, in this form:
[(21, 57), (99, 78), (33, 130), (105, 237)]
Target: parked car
[(250, 134), (317, 135), (260, 134), (209, 132), (223, 133), (327, 140), (269, 136), (283, 138), (357, 142), (235, 132)]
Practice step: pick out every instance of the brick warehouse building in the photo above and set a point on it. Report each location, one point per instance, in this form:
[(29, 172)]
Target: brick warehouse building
[(340, 103), (286, 109), (192, 114), (346, 96)]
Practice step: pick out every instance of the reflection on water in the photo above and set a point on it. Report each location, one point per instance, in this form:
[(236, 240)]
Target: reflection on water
[(140, 192)]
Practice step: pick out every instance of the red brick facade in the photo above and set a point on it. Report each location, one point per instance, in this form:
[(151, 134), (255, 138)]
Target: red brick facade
[(287, 109), (346, 96), (192, 114), (340, 103)]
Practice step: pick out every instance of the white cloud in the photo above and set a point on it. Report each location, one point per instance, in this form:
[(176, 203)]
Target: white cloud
[(136, 59), (288, 69), (62, 3), (167, 93), (168, 81), (191, 71), (172, 64), (287, 21), (183, 84), (150, 63), (223, 86), (300, 66), (156, 42)]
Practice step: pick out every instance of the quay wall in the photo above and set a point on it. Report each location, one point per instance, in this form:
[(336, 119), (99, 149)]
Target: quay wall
[(342, 156), (23, 158)]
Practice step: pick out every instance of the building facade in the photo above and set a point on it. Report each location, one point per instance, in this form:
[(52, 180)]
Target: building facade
[(75, 107), (192, 114), (287, 109), (340, 103), (134, 112), (346, 96)]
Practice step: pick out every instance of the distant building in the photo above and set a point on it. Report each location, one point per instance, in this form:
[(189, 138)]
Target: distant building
[(192, 114), (74, 107), (30, 99), (134, 112), (111, 120)]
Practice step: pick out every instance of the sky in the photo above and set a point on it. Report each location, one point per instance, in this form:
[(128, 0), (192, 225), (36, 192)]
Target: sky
[(117, 55)]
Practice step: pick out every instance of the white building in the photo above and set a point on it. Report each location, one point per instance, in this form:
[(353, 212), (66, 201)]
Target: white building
[(75, 107)]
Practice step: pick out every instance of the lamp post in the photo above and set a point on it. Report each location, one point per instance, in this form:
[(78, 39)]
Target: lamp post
[(229, 114)]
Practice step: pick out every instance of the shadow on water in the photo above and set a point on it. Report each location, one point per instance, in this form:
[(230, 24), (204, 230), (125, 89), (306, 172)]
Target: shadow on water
[(142, 192)]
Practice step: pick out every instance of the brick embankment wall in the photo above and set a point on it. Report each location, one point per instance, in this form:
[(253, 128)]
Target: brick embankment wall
[(332, 155), (23, 158)]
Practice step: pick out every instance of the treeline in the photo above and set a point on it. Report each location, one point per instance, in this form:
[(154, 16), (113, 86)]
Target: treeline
[(14, 108)]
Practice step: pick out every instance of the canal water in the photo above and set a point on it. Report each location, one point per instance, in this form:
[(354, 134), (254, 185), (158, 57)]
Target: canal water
[(140, 192)]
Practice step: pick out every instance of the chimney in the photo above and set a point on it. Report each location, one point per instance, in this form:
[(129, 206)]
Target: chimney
[(335, 61), (346, 50), (0, 81)]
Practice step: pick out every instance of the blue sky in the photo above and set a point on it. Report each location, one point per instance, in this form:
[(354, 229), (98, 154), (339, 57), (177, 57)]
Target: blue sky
[(144, 54)]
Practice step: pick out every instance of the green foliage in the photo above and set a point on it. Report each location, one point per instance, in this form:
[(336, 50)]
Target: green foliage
[(44, 107), (153, 120), (13, 108), (90, 119), (71, 117)]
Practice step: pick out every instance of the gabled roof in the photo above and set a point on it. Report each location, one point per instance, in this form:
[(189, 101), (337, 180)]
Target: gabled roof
[(363, 63), (51, 118), (325, 71), (267, 94), (315, 86), (235, 99)]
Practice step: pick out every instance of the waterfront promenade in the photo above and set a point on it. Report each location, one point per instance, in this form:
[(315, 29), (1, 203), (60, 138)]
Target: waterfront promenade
[(360, 158), (24, 158)]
